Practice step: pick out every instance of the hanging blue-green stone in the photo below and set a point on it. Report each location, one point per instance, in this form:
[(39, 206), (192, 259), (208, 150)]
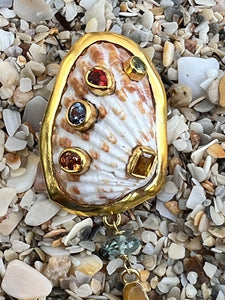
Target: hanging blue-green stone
[(119, 245)]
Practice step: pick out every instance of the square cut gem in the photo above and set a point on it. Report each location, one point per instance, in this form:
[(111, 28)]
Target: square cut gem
[(141, 162)]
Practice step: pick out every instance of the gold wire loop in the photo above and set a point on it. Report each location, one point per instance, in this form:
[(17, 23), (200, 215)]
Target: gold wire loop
[(129, 271), (114, 224), (126, 263)]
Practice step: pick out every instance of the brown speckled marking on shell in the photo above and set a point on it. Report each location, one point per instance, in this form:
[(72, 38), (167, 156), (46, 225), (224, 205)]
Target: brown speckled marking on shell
[(126, 119)]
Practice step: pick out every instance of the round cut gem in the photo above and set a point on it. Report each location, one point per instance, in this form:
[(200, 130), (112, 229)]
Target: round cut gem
[(71, 161), (77, 113), (98, 77), (138, 64)]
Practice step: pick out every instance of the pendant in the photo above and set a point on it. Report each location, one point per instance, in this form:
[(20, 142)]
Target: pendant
[(103, 138)]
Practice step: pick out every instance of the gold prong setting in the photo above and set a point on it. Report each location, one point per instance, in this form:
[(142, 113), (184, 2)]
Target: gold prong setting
[(135, 68), (74, 160), (100, 81)]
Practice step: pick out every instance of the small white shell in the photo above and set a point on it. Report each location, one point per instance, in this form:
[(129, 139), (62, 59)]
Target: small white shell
[(33, 10), (12, 120), (6, 39)]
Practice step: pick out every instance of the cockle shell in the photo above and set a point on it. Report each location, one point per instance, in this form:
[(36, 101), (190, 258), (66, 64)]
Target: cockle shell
[(132, 115)]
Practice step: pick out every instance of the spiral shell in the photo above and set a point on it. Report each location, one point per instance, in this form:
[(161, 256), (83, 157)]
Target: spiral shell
[(122, 132)]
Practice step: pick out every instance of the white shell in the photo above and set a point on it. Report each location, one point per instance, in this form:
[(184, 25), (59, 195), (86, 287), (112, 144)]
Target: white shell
[(6, 39), (126, 120)]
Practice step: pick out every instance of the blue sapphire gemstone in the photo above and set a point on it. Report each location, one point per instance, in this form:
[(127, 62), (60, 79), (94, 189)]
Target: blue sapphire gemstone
[(77, 113)]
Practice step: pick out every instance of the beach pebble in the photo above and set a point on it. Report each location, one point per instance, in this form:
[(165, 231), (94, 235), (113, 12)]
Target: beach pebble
[(9, 223), (220, 296), (178, 267), (205, 2), (25, 181), (192, 277), (84, 290), (7, 196), (32, 10), (113, 265), (191, 291), (163, 288), (168, 53), (20, 98), (96, 286), (176, 251), (217, 218), (77, 228), (71, 11), (213, 91), (19, 281), (192, 72), (19, 246), (87, 4), (5, 3), (218, 232), (13, 144), (149, 236), (147, 19), (8, 116), (173, 207), (57, 269), (209, 269), (206, 291), (92, 25), (179, 95), (25, 85), (9, 78), (197, 196), (89, 264), (222, 92), (34, 112), (41, 212), (175, 127), (6, 39), (149, 262), (97, 11), (13, 161)]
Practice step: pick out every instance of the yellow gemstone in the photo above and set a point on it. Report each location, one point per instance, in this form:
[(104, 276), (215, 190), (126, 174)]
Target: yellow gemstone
[(134, 291)]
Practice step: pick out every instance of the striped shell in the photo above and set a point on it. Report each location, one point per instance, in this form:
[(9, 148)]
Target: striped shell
[(126, 119)]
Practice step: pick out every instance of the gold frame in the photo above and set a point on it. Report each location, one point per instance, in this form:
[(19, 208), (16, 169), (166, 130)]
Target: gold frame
[(90, 118), (135, 197), (101, 90)]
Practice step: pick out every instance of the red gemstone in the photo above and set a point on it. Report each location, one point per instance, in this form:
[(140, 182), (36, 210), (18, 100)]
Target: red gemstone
[(71, 161), (98, 77)]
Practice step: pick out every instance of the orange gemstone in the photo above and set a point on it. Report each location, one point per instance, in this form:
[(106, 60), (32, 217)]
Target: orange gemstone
[(71, 161)]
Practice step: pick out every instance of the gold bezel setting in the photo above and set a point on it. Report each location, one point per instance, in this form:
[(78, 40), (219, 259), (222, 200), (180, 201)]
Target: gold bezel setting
[(135, 197), (132, 69), (91, 115), (98, 89), (141, 162), (82, 157)]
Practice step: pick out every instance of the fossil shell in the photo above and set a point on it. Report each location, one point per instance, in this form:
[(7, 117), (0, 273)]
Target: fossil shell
[(130, 114)]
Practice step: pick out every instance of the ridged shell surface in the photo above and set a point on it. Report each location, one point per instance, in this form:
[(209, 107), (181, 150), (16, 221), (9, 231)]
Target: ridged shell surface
[(126, 119)]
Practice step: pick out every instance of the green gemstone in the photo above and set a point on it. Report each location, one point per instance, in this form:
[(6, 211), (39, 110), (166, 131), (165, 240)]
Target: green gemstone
[(138, 64), (120, 245)]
